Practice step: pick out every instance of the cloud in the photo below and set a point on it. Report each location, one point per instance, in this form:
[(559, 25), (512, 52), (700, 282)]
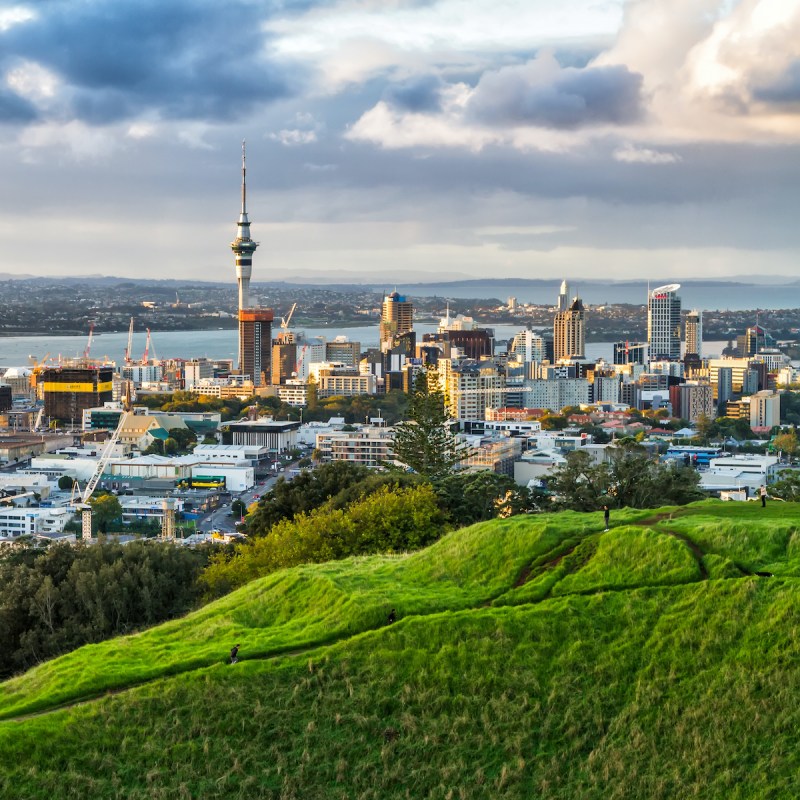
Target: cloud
[(542, 93), (183, 59), (15, 109), (294, 136), (420, 93), (630, 154), (784, 89)]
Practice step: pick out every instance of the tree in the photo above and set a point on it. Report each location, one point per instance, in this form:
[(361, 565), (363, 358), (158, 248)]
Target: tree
[(238, 509), (787, 487), (424, 442), (629, 478), (469, 497), (786, 443), (106, 509), (309, 490), (65, 483), (705, 427)]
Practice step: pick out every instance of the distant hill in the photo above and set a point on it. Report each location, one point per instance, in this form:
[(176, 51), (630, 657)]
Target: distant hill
[(534, 657)]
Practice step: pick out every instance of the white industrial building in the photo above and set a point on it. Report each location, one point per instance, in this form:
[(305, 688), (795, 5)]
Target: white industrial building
[(739, 472), (15, 522)]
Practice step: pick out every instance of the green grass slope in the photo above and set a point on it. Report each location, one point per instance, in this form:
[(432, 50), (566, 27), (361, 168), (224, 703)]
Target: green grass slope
[(533, 657)]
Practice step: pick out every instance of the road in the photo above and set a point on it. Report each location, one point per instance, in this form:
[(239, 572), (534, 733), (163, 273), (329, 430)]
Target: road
[(221, 519)]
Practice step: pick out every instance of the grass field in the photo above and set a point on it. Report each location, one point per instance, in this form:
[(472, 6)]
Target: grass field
[(532, 657)]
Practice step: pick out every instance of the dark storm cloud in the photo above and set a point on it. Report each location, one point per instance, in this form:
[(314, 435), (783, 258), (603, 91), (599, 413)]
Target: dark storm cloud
[(184, 59), (562, 98), (14, 109), (785, 90), (420, 93)]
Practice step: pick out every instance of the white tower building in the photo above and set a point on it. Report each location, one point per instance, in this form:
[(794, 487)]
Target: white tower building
[(243, 246), (664, 323)]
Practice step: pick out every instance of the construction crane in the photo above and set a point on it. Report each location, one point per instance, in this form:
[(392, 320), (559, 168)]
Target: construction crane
[(89, 341), (38, 421), (83, 502), (129, 348), (148, 345), (287, 319), (299, 363)]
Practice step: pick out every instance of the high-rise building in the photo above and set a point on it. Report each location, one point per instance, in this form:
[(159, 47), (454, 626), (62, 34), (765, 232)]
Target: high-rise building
[(69, 390), (255, 344), (569, 332), (396, 318), (255, 324), (765, 409), (694, 333), (754, 340), (629, 352), (664, 323), (562, 304)]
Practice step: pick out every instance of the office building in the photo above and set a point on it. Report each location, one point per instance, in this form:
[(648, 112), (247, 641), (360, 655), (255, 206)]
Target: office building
[(754, 340), (694, 333), (569, 332), (396, 318), (765, 410), (664, 323), (694, 400), (629, 352), (255, 344), (343, 351), (284, 361)]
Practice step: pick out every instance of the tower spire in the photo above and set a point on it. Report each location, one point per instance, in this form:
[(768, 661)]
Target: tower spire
[(244, 178)]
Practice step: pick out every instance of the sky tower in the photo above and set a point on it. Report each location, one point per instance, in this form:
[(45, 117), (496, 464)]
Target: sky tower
[(243, 246), (255, 324)]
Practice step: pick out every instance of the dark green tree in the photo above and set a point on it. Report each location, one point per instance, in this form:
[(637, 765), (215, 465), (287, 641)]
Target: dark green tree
[(787, 487), (425, 442), (105, 510), (469, 497), (629, 478), (65, 483)]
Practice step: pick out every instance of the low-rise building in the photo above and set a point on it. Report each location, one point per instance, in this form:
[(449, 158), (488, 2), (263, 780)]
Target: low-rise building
[(368, 445), (740, 471), (16, 522)]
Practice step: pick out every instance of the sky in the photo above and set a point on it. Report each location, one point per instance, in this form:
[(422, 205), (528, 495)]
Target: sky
[(401, 139)]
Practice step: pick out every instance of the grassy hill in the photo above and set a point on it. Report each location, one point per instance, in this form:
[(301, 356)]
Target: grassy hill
[(532, 657)]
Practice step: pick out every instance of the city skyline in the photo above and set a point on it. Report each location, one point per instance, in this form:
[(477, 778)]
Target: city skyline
[(403, 139)]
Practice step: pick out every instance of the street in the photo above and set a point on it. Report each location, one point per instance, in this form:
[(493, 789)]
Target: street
[(221, 520)]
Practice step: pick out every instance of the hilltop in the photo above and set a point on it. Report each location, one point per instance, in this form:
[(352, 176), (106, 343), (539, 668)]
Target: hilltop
[(532, 657)]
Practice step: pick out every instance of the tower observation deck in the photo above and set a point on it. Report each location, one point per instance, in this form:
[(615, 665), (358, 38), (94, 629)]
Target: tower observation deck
[(243, 246)]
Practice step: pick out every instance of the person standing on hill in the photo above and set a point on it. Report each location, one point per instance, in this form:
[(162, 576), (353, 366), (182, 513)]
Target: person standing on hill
[(234, 653), (763, 493), (606, 515)]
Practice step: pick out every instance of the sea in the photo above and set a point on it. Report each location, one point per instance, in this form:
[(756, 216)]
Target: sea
[(17, 351)]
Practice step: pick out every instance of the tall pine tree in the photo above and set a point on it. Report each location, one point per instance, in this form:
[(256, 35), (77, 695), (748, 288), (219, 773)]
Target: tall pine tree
[(425, 442)]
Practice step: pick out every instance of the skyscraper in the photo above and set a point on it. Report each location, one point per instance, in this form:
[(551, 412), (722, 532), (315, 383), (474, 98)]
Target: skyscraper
[(255, 344), (255, 324), (563, 297), (664, 323), (396, 318), (569, 331), (694, 333)]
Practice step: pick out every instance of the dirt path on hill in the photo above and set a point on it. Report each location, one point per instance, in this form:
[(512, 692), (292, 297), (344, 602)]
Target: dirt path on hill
[(694, 548)]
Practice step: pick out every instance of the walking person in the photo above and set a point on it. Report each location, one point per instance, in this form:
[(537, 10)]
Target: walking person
[(606, 515), (763, 493), (234, 653)]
